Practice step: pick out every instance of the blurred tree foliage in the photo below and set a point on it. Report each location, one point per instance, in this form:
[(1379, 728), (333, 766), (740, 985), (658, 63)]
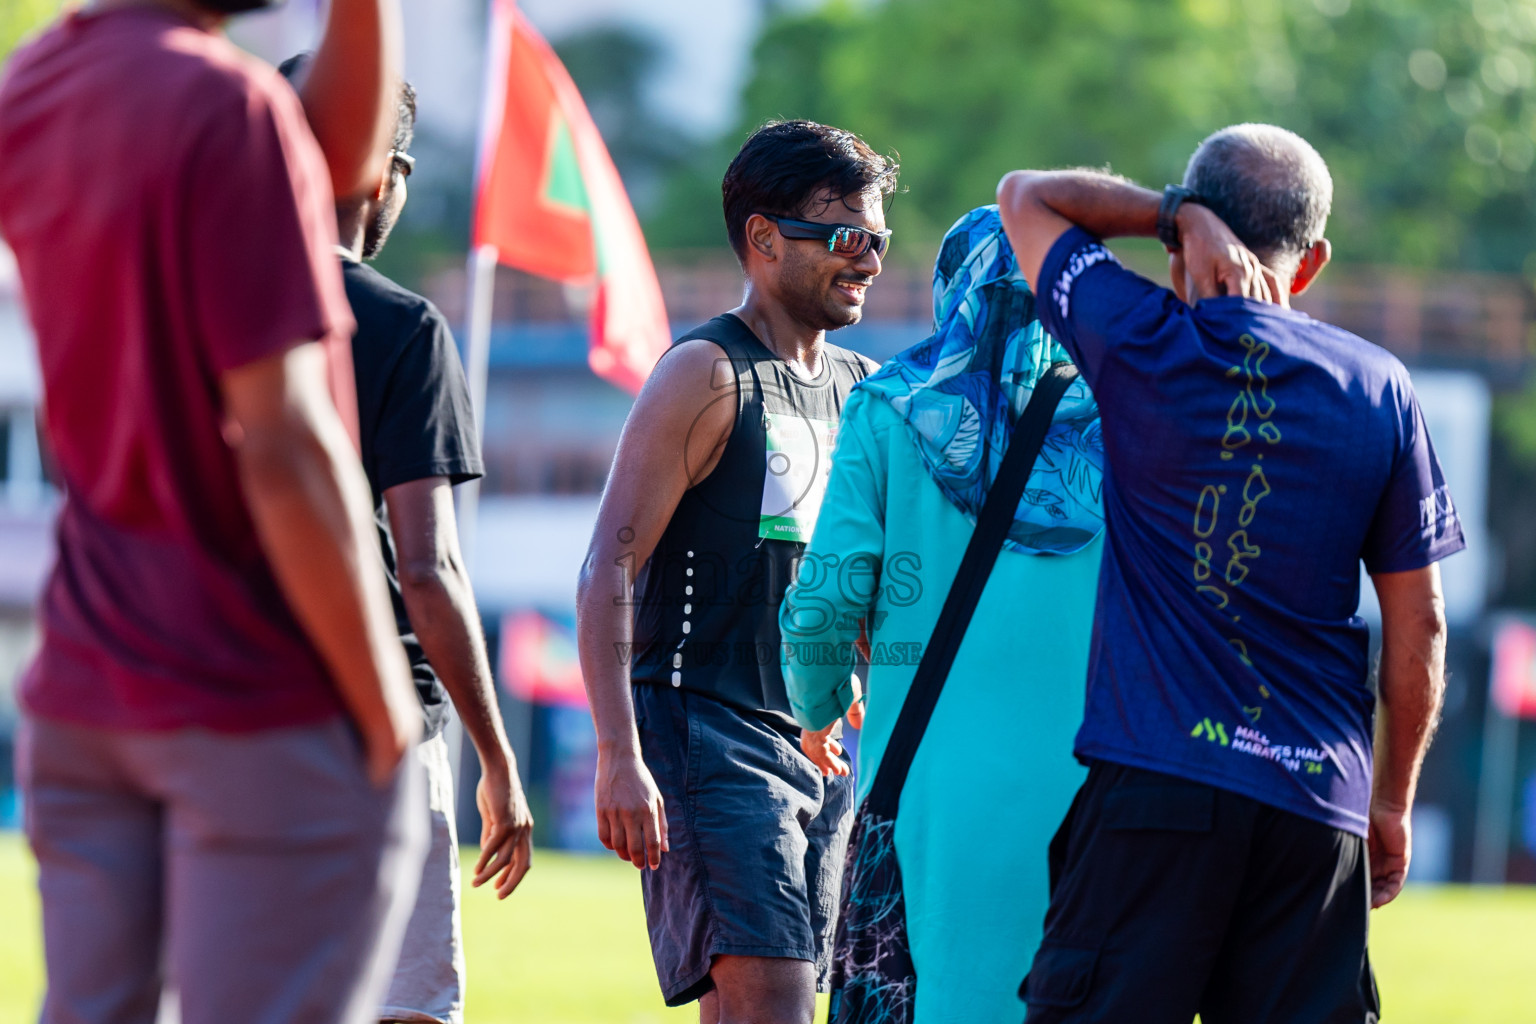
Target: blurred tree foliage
[(1424, 109), (19, 17)]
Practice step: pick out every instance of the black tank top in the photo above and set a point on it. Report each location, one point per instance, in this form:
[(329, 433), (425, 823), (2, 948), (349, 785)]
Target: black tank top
[(708, 599)]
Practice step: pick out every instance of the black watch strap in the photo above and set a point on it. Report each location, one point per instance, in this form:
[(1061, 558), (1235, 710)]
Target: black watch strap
[(1174, 196)]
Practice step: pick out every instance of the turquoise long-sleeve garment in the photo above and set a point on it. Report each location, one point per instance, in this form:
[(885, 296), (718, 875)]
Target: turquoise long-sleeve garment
[(995, 773)]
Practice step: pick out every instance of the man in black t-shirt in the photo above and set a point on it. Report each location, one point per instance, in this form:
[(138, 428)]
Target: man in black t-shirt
[(417, 428)]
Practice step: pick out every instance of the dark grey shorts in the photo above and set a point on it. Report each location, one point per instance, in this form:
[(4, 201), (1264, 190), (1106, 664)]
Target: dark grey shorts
[(757, 841), (261, 874)]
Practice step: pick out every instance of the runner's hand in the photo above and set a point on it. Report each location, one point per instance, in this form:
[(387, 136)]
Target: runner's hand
[(823, 749), (631, 817), (506, 828), (1218, 262), (1390, 846)]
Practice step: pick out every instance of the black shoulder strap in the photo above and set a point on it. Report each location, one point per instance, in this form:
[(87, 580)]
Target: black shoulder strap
[(741, 347), (729, 332), (992, 525)]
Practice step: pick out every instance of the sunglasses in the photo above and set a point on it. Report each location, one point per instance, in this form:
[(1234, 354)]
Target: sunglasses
[(843, 239), (404, 162)]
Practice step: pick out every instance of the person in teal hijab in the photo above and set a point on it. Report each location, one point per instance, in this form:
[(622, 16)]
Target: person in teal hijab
[(917, 447)]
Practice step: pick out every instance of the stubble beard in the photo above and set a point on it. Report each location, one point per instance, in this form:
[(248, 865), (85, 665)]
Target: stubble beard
[(812, 301), (377, 232)]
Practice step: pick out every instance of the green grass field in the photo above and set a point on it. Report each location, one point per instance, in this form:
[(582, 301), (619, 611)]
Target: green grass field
[(569, 948)]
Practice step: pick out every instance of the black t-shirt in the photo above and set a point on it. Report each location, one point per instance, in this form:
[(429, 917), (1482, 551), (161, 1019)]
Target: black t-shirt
[(415, 421)]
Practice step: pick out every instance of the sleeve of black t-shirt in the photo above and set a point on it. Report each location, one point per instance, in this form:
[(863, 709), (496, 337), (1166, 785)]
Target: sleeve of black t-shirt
[(426, 424)]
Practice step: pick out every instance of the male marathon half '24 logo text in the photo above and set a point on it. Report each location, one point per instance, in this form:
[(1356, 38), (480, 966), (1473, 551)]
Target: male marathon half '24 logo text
[(1246, 740), (1295, 759)]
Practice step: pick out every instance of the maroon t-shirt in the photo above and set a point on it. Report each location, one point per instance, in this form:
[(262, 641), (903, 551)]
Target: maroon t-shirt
[(172, 219)]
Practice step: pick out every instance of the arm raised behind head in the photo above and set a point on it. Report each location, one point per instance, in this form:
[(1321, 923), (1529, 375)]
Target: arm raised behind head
[(1039, 206), (351, 91)]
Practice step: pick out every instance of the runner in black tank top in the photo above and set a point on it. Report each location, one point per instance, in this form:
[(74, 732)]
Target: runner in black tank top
[(702, 774), (707, 615)]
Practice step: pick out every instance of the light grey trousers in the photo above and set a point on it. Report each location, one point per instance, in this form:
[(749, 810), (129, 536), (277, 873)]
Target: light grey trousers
[(260, 871), (428, 986)]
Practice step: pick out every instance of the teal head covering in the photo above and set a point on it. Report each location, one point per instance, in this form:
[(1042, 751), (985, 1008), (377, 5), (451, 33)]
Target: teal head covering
[(961, 389)]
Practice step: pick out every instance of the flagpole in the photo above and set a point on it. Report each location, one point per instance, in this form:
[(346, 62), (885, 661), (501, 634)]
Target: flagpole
[(1495, 786), (477, 357), (480, 270), (480, 290)]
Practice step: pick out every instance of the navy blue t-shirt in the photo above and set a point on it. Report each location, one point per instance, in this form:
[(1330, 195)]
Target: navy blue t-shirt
[(1255, 457)]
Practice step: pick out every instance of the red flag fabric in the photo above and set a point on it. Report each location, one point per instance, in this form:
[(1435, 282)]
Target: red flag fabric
[(1514, 669), (550, 202)]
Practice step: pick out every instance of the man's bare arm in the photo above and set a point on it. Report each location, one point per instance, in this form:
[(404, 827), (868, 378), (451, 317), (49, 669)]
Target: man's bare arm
[(310, 504), (1410, 692), (671, 440), (441, 607), (1039, 206), (351, 91)]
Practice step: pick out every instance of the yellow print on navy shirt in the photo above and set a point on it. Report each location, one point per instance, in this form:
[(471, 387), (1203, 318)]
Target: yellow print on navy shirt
[(1219, 572)]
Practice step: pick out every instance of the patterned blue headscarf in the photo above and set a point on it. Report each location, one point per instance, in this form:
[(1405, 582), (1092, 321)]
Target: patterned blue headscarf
[(960, 391)]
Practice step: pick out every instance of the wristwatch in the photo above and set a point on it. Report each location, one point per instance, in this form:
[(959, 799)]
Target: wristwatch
[(1174, 196)]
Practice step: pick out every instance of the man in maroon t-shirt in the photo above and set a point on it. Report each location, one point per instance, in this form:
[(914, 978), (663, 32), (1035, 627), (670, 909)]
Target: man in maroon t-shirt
[(216, 717)]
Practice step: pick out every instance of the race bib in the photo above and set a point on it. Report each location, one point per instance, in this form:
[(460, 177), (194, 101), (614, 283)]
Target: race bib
[(799, 460)]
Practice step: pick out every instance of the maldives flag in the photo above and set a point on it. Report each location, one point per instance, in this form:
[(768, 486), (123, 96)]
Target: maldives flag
[(549, 200)]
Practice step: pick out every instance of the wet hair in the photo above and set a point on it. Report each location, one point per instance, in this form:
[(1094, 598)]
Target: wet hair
[(1268, 184), (405, 118), (785, 165)]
